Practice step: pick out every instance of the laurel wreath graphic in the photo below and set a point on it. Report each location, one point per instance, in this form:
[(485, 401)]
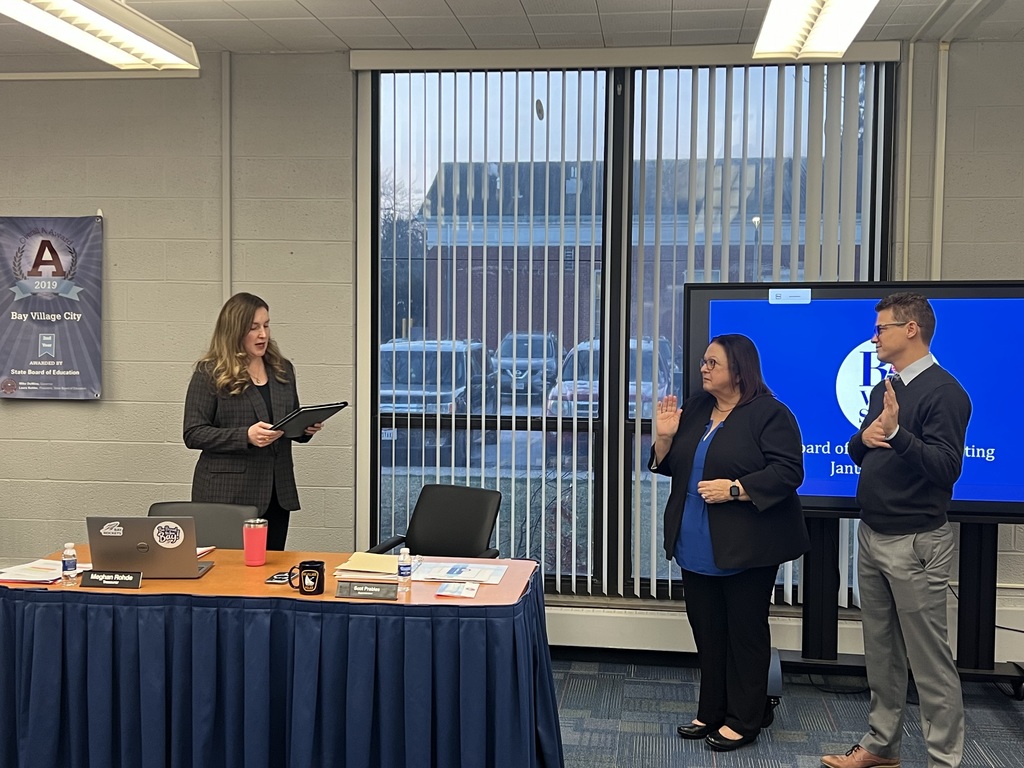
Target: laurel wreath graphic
[(74, 263), (19, 273)]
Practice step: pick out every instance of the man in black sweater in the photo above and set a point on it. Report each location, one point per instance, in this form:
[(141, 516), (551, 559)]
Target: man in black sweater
[(910, 450)]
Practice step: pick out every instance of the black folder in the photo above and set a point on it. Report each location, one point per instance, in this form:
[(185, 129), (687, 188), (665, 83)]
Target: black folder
[(295, 423)]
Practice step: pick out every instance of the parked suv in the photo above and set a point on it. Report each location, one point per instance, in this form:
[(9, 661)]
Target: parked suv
[(445, 377), (528, 362), (578, 392)]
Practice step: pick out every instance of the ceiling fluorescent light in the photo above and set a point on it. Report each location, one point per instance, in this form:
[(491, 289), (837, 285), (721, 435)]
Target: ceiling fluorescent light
[(109, 30), (811, 29)]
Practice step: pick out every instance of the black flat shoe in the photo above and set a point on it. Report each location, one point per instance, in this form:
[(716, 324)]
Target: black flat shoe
[(721, 743), (694, 731)]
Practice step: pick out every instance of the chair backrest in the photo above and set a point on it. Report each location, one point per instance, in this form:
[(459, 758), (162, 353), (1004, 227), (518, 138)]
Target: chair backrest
[(217, 525), (452, 521)]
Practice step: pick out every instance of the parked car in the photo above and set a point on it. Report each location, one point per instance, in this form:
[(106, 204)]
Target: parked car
[(444, 377), (528, 362), (673, 360), (577, 393)]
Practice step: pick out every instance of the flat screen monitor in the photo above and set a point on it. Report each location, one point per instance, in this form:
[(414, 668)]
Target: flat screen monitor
[(814, 340)]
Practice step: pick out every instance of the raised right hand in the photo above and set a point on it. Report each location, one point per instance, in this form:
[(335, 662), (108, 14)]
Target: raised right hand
[(666, 417)]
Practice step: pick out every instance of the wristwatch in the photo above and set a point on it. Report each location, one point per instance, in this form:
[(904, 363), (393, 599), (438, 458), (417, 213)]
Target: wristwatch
[(734, 490)]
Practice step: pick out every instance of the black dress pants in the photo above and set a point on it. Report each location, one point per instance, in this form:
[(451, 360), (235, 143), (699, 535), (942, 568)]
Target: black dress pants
[(729, 618), (277, 523)]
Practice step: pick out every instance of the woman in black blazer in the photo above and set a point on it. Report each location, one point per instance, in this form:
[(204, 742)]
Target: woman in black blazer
[(238, 389), (733, 516)]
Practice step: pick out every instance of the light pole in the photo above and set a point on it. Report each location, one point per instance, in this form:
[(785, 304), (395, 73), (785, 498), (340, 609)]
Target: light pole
[(756, 220)]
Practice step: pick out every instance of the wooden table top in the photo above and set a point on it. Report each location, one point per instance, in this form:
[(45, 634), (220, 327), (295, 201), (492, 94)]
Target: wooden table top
[(230, 577)]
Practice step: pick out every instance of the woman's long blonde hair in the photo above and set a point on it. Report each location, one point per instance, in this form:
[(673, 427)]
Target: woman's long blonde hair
[(226, 362)]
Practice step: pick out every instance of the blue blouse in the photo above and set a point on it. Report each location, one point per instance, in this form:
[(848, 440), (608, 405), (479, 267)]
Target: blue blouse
[(693, 546)]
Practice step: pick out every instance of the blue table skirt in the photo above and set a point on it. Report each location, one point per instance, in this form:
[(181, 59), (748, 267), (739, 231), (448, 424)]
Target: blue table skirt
[(155, 681)]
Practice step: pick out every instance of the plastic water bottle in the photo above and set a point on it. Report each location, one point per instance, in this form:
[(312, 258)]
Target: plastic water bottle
[(404, 569), (68, 565)]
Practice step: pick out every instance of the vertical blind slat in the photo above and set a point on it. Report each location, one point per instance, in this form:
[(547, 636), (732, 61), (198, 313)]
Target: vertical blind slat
[(848, 176)]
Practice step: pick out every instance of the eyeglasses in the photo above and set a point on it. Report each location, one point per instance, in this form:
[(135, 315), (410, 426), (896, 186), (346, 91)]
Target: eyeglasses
[(882, 326), (707, 363)]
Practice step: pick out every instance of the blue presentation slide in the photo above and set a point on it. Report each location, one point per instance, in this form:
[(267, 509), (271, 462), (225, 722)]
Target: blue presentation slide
[(819, 360)]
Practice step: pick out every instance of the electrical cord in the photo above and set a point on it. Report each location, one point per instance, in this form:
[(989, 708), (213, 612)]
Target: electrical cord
[(997, 626), (825, 688), (1011, 692)]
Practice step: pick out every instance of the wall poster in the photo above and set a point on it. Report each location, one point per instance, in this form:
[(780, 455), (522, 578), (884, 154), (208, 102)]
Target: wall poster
[(51, 280)]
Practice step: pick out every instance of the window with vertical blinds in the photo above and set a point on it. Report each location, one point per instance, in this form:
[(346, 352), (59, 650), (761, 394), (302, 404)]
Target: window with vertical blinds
[(489, 296), (535, 233), (745, 174)]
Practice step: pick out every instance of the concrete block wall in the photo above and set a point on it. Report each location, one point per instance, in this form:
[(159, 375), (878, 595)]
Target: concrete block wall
[(983, 215), (150, 155)]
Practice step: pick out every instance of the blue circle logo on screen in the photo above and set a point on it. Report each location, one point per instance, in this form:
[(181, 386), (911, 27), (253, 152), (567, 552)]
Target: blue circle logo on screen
[(858, 373)]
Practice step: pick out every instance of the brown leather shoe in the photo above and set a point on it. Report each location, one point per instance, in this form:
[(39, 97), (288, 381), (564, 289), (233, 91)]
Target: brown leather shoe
[(858, 757)]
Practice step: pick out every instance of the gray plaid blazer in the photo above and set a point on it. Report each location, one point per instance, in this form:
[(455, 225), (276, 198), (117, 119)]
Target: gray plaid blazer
[(230, 469)]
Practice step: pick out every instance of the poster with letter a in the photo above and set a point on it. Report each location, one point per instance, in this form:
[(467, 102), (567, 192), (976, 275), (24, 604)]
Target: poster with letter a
[(51, 278)]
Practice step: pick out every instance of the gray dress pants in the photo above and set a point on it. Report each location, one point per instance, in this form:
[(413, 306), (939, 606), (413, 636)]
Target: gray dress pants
[(903, 582)]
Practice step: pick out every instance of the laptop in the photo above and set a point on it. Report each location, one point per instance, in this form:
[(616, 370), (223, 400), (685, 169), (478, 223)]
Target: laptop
[(160, 547)]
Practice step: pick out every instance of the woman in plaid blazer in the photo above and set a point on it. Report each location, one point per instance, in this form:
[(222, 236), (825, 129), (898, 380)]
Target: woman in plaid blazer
[(238, 389)]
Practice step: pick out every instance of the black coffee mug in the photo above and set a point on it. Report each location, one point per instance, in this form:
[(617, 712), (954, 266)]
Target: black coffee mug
[(311, 577)]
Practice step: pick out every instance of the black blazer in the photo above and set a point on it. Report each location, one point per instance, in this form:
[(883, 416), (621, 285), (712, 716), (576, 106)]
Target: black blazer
[(759, 445), (230, 469)]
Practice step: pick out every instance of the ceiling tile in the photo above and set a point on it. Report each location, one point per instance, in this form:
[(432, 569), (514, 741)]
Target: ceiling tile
[(869, 32), (588, 40), (166, 10), (904, 32), (748, 35), (567, 24), (683, 20), (496, 25), (376, 42), (710, 5), (907, 14), (360, 27), (486, 8), (430, 25), (548, 7), (704, 37), (270, 9), (304, 35), (631, 6), (623, 39), (333, 9), (439, 42), (636, 22), (508, 41), (237, 36), (395, 8)]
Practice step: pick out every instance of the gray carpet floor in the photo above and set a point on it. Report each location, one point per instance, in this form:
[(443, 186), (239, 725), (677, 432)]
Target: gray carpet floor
[(625, 715)]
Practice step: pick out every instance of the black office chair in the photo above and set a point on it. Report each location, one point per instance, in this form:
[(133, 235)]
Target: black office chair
[(217, 525), (450, 521)]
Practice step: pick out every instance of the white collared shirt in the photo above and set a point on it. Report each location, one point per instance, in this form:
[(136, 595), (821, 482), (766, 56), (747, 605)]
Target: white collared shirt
[(910, 373)]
